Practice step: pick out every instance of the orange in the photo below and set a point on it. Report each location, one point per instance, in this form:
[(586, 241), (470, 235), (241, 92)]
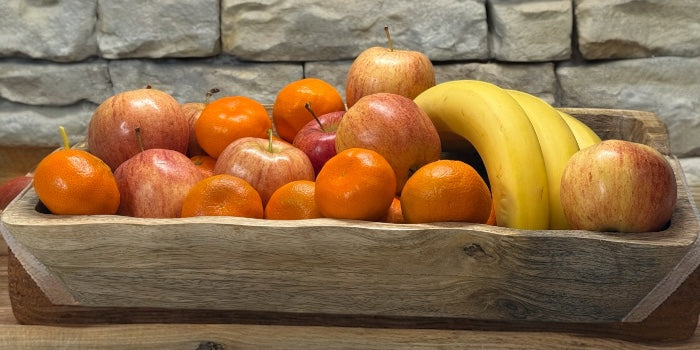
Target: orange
[(394, 214), (355, 184), (223, 195), (293, 201), (289, 113), (204, 163), (492, 216), (227, 119), (76, 182), (446, 190)]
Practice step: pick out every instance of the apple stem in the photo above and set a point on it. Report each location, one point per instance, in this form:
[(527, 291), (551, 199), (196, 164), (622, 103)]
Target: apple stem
[(308, 108), (64, 137), (138, 138), (388, 38), (269, 145), (208, 95)]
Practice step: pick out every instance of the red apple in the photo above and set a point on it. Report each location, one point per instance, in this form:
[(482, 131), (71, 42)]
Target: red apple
[(154, 183), (192, 111), (266, 164), (379, 69), (317, 138), (395, 127), (110, 134), (12, 188), (618, 185)]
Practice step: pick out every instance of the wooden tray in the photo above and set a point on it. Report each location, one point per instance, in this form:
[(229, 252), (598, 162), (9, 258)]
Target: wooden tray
[(80, 270)]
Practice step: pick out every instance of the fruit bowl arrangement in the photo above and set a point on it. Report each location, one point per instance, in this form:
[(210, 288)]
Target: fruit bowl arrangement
[(331, 266), (522, 256)]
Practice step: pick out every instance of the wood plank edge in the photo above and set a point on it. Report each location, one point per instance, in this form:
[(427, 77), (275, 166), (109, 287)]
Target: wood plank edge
[(685, 267)]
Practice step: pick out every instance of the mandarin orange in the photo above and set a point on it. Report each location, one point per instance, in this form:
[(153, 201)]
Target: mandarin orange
[(492, 216), (223, 195), (204, 163), (357, 184), (293, 201), (227, 119), (394, 214), (446, 190), (289, 113), (76, 182)]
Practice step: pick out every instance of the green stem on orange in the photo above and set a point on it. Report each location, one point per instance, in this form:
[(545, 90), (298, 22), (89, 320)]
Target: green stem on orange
[(269, 145), (318, 121), (208, 95), (138, 137), (388, 38), (64, 137)]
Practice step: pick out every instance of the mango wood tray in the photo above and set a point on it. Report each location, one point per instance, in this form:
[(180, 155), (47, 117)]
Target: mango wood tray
[(111, 269)]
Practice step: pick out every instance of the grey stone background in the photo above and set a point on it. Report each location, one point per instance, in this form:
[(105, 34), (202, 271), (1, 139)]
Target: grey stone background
[(60, 58)]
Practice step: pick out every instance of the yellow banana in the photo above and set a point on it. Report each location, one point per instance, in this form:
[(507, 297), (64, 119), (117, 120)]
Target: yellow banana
[(558, 145), (500, 131), (585, 136)]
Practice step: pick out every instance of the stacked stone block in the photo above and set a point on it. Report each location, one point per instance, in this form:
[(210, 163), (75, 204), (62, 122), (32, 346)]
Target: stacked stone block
[(59, 59)]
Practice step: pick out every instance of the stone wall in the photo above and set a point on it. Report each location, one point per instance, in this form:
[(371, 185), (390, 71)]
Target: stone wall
[(60, 58)]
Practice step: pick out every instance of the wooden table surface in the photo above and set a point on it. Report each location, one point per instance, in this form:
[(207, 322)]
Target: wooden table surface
[(234, 336)]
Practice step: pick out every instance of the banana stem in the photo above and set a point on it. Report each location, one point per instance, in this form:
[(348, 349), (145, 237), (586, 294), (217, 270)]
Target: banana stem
[(64, 137)]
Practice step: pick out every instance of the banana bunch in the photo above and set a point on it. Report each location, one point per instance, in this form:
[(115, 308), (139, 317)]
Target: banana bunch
[(584, 135), (523, 141)]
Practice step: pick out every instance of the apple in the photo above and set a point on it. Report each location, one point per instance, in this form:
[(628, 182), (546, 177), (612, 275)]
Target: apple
[(192, 111), (380, 69), (317, 138), (618, 185), (154, 183), (395, 127), (12, 188), (110, 134), (266, 164)]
